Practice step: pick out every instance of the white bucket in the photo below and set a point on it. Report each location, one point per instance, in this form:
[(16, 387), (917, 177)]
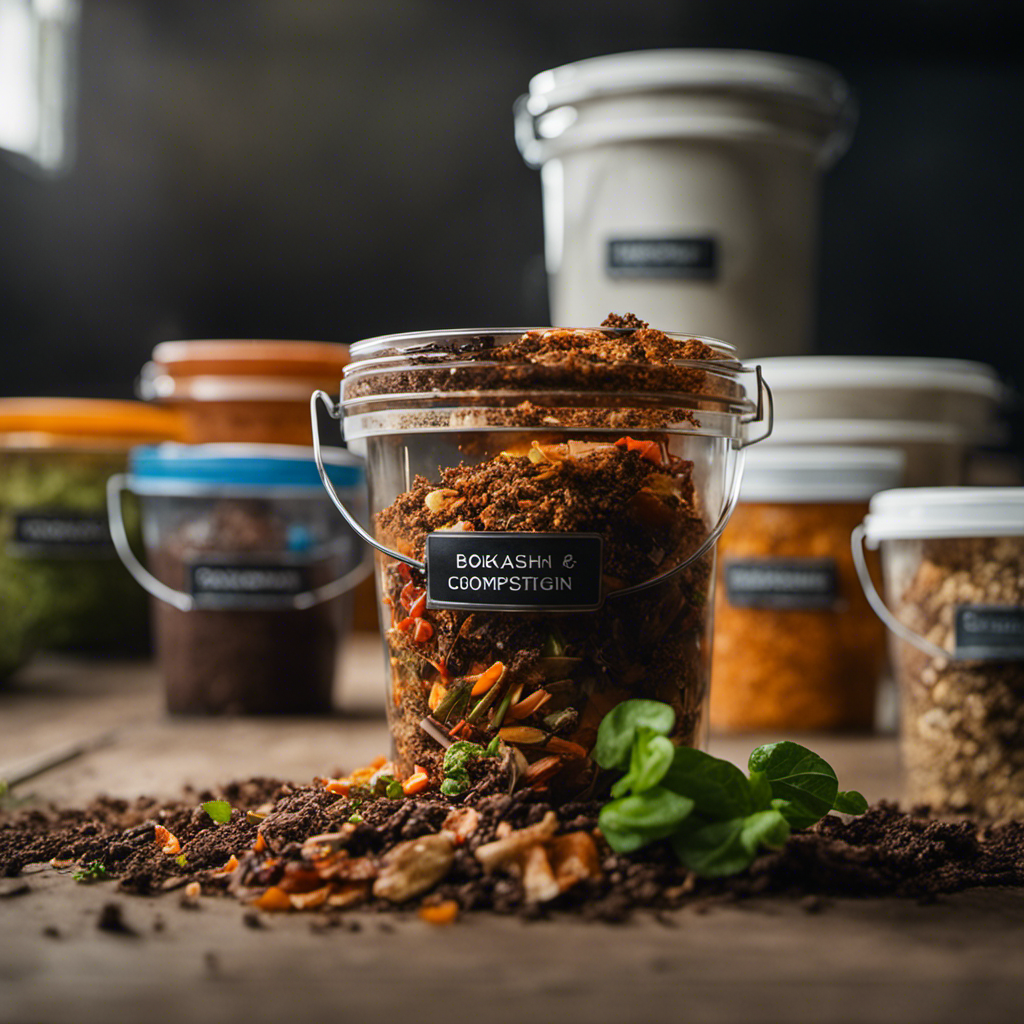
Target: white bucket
[(683, 185), (936, 411)]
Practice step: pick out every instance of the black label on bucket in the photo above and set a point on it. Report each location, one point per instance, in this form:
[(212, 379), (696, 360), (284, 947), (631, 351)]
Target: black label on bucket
[(782, 583), (663, 257), (222, 583), (60, 535), (989, 633), (514, 571)]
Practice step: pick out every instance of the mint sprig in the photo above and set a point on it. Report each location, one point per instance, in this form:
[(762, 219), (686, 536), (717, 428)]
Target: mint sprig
[(716, 819)]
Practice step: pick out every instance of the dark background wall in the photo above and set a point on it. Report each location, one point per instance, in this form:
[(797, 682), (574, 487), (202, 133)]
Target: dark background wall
[(331, 170)]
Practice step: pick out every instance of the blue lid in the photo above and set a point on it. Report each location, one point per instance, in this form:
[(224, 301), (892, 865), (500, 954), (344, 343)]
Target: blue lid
[(162, 467)]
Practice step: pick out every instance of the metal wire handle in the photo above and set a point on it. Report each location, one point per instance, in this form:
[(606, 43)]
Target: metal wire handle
[(118, 484), (765, 413), (882, 609)]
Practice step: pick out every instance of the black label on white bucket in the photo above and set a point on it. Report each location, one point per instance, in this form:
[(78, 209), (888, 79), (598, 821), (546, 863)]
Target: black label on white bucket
[(60, 534), (514, 571), (663, 257), (222, 584), (989, 633), (782, 583)]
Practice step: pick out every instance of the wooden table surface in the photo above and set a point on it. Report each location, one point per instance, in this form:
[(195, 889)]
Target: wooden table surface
[(960, 959)]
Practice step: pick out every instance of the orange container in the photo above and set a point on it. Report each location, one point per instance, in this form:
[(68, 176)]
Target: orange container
[(243, 390)]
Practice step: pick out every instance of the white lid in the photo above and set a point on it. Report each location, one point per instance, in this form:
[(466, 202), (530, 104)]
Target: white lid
[(848, 372), (854, 432), (886, 432), (814, 91), (804, 82), (917, 512), (819, 474)]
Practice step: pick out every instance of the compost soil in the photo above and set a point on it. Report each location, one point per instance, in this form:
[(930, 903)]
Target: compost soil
[(885, 852)]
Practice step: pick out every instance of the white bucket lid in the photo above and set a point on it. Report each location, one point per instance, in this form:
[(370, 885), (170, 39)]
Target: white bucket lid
[(887, 372), (743, 74), (883, 432), (819, 473), (912, 513)]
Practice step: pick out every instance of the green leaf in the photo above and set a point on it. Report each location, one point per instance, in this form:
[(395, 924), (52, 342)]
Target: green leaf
[(850, 802), (394, 790), (355, 818), (218, 810), (634, 821), (651, 758), (718, 788), (764, 828), (181, 860), (94, 872), (714, 849), (805, 782), (760, 791), (617, 730)]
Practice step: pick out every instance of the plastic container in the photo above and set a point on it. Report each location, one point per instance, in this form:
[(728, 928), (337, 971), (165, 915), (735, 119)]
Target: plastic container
[(953, 567), (684, 183), (255, 391), (797, 646), (561, 559), (936, 411), (248, 565), (61, 584)]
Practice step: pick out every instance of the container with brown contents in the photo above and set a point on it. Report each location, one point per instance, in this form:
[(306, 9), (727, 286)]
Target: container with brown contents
[(953, 564), (249, 568), (560, 559), (796, 644)]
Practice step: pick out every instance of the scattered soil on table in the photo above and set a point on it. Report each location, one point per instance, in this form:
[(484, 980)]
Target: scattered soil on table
[(884, 852)]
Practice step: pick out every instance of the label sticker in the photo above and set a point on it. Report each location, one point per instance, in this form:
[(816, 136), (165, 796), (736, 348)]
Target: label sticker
[(782, 583), (60, 535), (989, 633), (246, 583), (695, 258), (514, 571)]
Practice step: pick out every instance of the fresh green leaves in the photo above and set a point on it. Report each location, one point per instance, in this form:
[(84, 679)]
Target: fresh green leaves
[(218, 810), (181, 860), (716, 818), (618, 729), (94, 872), (850, 802), (634, 821), (804, 783), (457, 757)]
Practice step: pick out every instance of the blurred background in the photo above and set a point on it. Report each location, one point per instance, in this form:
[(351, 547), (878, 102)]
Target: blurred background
[(329, 170)]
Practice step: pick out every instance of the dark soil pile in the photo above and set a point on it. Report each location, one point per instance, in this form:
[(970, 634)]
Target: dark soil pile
[(883, 852)]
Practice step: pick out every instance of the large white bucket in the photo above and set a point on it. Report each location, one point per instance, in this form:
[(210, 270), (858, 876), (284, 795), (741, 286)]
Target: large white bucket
[(683, 185)]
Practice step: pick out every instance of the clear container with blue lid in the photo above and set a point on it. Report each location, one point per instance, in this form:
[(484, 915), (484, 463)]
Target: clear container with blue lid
[(249, 569)]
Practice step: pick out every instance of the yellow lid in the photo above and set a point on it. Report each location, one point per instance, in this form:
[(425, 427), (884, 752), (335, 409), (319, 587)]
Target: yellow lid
[(79, 421)]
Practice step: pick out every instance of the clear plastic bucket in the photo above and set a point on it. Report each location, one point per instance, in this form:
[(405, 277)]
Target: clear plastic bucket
[(545, 524), (953, 567), (249, 567), (685, 183)]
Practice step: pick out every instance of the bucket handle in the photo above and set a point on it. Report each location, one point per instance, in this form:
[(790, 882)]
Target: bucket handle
[(334, 411), (764, 414), (118, 484), (881, 609)]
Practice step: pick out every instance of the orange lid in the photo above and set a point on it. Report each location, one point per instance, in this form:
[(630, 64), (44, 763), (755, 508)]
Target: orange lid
[(84, 419), (311, 359)]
